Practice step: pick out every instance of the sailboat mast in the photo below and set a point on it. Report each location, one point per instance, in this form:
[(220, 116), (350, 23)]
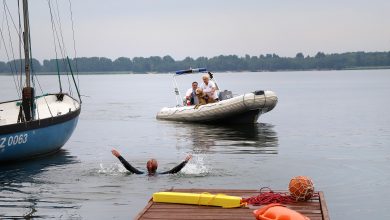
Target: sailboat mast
[(28, 91), (26, 36)]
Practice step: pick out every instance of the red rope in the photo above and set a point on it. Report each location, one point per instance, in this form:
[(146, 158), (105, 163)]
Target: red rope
[(269, 197)]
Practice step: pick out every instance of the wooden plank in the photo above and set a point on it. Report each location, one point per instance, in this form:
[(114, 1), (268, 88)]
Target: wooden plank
[(190, 207), (150, 203), (211, 211), (315, 208), (202, 211), (324, 207), (174, 206), (194, 216), (188, 217), (198, 215)]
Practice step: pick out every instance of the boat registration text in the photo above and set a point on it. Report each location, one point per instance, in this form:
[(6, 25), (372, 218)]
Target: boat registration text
[(13, 140)]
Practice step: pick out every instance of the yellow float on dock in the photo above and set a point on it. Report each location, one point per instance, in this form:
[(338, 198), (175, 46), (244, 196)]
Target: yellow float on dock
[(222, 200)]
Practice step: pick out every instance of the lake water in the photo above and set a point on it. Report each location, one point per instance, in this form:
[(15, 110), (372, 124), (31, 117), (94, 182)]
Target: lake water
[(333, 126)]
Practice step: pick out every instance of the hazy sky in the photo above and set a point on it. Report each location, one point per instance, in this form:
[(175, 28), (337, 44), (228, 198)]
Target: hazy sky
[(114, 28)]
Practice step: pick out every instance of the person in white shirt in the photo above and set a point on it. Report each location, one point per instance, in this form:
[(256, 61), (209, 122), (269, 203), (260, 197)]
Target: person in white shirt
[(209, 87), (191, 97)]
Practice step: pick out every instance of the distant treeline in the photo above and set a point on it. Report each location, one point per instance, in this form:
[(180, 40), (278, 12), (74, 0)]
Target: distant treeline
[(268, 62)]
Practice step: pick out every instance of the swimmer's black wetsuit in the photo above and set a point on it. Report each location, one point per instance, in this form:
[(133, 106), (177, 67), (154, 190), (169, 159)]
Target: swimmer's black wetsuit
[(132, 169)]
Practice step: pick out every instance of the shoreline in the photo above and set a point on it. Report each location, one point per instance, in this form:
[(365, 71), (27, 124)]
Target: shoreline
[(238, 71)]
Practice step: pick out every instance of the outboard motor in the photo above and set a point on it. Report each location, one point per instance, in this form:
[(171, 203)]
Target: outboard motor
[(259, 92), (226, 94)]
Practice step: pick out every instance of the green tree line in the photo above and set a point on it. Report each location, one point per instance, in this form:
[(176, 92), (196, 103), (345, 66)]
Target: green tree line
[(267, 62)]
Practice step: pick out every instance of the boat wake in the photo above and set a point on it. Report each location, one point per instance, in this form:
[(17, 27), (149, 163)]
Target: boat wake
[(112, 169), (196, 166)]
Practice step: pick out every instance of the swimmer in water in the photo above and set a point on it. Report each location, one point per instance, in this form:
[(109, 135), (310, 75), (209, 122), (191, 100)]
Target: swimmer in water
[(151, 165)]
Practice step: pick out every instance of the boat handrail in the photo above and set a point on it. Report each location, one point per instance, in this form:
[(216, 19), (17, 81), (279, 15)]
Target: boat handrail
[(189, 71)]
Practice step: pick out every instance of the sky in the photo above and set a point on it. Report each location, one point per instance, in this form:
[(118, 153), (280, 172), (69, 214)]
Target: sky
[(181, 28)]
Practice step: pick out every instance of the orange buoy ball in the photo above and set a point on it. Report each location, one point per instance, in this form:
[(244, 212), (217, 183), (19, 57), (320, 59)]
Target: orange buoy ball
[(301, 188)]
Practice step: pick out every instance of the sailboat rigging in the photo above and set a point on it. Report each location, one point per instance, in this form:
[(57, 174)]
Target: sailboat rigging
[(36, 125)]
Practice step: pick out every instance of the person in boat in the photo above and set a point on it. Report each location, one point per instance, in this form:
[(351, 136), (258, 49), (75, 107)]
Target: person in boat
[(191, 98), (209, 88), (151, 165)]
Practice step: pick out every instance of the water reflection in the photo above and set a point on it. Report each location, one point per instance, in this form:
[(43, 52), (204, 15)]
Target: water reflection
[(26, 170), (239, 139), (21, 191)]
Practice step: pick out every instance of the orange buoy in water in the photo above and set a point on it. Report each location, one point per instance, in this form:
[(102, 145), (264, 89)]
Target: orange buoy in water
[(276, 211), (301, 188)]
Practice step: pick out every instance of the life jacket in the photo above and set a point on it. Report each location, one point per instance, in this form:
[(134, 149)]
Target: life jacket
[(276, 211)]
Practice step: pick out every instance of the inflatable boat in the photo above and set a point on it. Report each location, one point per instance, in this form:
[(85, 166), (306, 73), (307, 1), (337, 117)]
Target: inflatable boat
[(242, 109)]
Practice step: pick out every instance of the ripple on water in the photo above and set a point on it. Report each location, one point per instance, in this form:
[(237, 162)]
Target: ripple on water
[(195, 167), (24, 189)]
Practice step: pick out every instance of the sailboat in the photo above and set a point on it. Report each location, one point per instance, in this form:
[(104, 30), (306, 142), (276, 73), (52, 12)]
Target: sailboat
[(36, 125)]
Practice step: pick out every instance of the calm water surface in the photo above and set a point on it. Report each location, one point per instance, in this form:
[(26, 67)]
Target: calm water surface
[(333, 126)]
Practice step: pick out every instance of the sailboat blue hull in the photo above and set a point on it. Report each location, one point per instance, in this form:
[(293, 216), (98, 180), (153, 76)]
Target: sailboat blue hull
[(36, 141)]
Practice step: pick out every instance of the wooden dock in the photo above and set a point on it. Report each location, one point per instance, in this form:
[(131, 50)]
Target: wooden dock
[(315, 208)]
